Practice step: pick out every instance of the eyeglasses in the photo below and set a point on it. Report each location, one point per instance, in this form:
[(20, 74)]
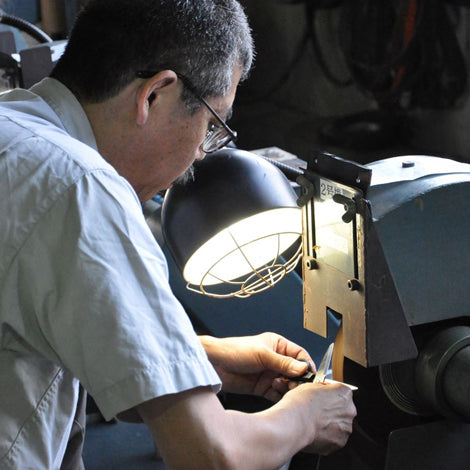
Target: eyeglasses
[(216, 136)]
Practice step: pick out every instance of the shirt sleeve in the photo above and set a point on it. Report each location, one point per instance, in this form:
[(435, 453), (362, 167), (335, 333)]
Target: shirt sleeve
[(98, 289)]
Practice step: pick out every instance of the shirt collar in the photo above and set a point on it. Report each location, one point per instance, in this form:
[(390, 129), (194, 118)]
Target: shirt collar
[(68, 109)]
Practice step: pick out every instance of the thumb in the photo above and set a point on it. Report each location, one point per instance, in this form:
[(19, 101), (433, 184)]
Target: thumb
[(286, 365)]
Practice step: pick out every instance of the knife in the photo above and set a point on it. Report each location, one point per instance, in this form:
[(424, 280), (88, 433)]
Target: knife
[(325, 365), (322, 372)]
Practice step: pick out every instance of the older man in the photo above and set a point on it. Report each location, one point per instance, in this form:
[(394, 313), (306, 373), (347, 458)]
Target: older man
[(142, 90)]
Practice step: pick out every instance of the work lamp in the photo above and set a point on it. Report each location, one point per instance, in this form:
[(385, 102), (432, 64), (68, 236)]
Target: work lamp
[(228, 227)]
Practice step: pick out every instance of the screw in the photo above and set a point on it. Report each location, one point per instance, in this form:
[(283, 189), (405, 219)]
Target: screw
[(354, 284), (310, 263)]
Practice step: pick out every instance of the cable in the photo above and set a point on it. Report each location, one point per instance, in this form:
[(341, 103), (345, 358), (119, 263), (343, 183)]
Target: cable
[(403, 49), (24, 26), (371, 46), (312, 33), (317, 467), (290, 172)]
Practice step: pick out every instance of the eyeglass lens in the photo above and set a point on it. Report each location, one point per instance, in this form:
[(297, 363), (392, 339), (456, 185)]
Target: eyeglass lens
[(216, 138)]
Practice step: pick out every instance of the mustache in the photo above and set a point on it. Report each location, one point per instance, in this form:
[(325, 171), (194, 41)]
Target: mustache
[(188, 175)]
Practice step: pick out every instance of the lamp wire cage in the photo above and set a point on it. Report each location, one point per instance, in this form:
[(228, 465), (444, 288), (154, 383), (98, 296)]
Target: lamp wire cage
[(258, 279)]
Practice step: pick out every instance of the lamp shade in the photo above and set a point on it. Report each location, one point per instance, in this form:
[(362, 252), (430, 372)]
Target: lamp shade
[(227, 227)]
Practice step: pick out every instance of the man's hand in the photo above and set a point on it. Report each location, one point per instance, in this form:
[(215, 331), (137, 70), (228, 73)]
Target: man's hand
[(309, 417), (255, 364), (332, 411)]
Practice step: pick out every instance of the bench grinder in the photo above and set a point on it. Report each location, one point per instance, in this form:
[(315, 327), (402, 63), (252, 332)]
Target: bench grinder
[(386, 249)]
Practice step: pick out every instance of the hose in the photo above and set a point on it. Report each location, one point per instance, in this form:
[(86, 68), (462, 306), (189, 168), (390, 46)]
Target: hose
[(290, 172), (24, 26)]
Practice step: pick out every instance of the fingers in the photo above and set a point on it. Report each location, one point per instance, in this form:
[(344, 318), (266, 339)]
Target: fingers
[(273, 395), (293, 350), (332, 412), (288, 366), (338, 420), (282, 386), (279, 387), (284, 356)]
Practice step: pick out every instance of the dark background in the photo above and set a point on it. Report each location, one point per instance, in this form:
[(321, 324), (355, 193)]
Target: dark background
[(364, 79)]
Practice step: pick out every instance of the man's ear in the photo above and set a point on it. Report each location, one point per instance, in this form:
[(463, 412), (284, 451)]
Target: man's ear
[(149, 92)]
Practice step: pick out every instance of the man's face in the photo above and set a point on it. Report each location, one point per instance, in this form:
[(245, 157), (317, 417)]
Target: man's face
[(176, 143)]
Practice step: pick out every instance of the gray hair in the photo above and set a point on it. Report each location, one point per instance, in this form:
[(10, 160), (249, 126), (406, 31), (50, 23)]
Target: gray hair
[(113, 39)]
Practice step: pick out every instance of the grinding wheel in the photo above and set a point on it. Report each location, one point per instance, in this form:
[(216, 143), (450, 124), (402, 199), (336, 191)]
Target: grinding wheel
[(377, 416)]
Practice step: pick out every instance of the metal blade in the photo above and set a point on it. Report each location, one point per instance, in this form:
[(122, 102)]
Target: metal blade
[(325, 365)]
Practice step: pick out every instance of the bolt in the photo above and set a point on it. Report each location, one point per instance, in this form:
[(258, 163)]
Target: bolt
[(310, 263), (354, 284)]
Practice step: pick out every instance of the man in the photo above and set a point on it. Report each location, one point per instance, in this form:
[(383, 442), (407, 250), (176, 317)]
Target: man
[(140, 93)]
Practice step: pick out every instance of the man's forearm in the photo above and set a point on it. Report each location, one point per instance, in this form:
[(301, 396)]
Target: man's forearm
[(193, 431), (269, 437), (210, 345)]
